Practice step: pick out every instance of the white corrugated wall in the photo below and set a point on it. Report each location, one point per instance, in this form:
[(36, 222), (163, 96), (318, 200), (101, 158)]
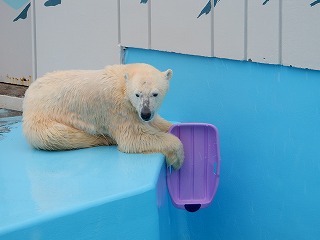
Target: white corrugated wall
[(88, 34)]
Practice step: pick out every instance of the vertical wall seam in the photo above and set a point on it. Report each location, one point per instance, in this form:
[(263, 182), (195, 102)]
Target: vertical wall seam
[(280, 32), (212, 28), (149, 24), (121, 49), (245, 30), (119, 23), (34, 41)]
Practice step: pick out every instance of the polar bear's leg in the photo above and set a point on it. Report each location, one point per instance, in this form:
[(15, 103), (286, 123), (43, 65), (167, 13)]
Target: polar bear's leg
[(152, 141), (50, 135), (161, 124)]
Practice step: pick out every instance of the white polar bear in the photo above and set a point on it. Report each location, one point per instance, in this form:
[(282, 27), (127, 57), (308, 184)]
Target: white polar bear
[(117, 105)]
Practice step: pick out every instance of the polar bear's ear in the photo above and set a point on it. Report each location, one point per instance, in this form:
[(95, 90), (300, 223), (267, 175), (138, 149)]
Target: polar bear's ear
[(126, 77), (168, 74)]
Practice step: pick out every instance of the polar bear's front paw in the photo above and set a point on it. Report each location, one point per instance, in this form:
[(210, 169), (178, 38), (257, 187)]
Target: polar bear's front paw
[(176, 158)]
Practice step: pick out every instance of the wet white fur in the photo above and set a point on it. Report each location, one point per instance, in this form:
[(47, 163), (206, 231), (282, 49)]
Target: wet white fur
[(79, 109)]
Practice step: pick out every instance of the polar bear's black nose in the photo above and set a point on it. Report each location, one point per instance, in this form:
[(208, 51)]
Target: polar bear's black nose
[(145, 114)]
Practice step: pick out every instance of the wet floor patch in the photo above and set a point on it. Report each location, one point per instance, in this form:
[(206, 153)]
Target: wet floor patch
[(7, 119)]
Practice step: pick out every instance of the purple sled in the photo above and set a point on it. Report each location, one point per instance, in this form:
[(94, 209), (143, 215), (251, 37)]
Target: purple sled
[(195, 184)]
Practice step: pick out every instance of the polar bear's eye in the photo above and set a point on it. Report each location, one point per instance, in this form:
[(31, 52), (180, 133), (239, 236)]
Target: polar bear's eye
[(155, 94), (137, 95)]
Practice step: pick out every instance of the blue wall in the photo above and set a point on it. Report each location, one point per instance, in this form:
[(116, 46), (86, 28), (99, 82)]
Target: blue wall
[(269, 124)]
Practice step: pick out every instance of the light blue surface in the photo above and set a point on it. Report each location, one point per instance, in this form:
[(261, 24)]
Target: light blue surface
[(16, 4), (268, 119), (82, 194), (269, 126)]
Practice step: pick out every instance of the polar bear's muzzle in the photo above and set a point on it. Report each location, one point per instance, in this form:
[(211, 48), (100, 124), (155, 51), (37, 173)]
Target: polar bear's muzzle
[(146, 114)]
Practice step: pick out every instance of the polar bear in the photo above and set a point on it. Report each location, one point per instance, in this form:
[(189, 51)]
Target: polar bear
[(114, 106)]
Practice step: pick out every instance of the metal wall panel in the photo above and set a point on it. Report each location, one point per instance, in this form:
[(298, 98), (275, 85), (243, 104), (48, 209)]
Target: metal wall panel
[(15, 45), (263, 29), (301, 34), (229, 35), (76, 34), (176, 26), (134, 20)]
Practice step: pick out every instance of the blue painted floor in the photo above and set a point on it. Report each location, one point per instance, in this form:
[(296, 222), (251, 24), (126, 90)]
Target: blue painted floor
[(40, 186)]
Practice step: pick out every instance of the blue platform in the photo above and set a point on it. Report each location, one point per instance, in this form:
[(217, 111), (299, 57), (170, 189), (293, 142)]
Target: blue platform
[(268, 119), (81, 194)]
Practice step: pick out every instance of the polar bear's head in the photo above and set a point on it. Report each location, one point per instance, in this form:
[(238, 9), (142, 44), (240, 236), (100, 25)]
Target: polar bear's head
[(146, 87)]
